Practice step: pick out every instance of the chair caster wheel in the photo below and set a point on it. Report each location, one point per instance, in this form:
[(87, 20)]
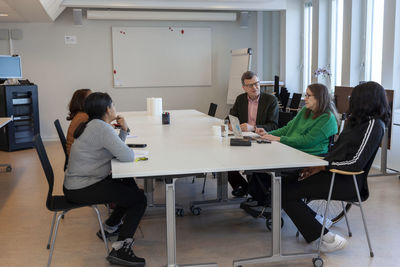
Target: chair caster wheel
[(318, 262), (195, 210), (371, 254), (350, 234), (297, 234), (62, 217), (48, 246), (180, 212)]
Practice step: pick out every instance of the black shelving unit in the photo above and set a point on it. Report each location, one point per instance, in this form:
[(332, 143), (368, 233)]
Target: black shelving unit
[(21, 103)]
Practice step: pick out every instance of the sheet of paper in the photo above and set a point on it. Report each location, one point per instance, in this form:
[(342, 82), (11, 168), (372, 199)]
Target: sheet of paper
[(141, 153)]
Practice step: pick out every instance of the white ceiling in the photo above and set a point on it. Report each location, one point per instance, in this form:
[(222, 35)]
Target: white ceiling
[(23, 11), (49, 10)]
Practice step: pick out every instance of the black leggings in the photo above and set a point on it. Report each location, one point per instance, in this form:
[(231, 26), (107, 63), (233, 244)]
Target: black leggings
[(129, 199)]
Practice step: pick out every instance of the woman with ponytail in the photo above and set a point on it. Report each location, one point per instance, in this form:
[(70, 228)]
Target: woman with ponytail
[(88, 179)]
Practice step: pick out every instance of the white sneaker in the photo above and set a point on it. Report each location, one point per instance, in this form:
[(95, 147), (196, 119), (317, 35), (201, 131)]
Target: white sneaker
[(337, 243), (320, 219)]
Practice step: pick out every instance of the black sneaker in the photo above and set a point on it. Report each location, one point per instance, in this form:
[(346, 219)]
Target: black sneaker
[(108, 234), (239, 192), (122, 254)]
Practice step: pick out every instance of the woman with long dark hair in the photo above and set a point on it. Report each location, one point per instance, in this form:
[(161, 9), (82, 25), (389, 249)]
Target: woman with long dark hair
[(76, 114), (88, 179), (353, 151)]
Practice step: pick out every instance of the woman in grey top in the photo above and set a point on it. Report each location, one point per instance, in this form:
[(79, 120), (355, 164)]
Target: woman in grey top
[(88, 176)]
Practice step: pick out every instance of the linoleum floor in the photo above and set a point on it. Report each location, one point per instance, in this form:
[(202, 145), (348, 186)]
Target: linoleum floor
[(219, 234)]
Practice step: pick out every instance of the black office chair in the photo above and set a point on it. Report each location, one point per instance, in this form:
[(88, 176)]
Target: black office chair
[(284, 96), (295, 103), (284, 118), (212, 110), (59, 203), (62, 140)]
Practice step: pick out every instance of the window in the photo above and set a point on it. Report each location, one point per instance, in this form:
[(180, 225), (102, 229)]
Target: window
[(374, 39), (336, 42), (307, 44)]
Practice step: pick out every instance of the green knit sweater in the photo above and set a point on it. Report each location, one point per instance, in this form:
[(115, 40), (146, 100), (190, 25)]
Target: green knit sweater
[(308, 135)]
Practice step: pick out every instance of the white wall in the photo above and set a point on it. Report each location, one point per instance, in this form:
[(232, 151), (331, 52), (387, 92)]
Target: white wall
[(59, 69)]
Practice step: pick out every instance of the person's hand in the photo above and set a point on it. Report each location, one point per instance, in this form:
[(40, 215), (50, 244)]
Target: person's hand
[(271, 137), (121, 121), (230, 127), (244, 127), (260, 131), (307, 172)]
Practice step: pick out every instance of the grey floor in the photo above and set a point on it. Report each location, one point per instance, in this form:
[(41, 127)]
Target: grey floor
[(218, 235)]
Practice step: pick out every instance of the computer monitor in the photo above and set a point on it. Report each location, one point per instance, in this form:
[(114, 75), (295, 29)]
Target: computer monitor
[(10, 67)]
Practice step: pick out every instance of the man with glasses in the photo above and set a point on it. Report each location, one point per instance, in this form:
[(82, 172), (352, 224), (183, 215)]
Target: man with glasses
[(254, 110)]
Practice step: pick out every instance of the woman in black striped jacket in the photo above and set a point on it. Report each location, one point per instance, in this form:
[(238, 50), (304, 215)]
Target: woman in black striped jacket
[(354, 150)]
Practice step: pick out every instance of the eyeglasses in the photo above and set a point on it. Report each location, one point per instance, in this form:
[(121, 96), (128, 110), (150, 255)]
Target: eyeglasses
[(251, 85), (308, 96)]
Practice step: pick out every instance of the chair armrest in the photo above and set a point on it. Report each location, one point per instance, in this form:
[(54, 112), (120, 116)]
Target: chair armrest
[(345, 172)]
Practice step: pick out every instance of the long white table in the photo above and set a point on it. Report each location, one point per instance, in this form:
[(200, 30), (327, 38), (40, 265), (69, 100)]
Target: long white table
[(188, 146)]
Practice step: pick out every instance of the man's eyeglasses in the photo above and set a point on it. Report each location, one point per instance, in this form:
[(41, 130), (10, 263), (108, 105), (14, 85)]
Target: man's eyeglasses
[(251, 85)]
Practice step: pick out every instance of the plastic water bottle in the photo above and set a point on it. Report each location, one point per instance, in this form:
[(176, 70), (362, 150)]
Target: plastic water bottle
[(224, 128)]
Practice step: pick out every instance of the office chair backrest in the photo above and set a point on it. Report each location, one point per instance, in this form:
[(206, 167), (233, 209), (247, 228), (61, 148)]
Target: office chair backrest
[(284, 99), (276, 86), (331, 142), (48, 170), (61, 135), (212, 110), (295, 103), (284, 118), (62, 140)]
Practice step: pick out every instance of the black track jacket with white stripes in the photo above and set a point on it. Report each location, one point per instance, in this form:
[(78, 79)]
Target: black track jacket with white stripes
[(355, 146)]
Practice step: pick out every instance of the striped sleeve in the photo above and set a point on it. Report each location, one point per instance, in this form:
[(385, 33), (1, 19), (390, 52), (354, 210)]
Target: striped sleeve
[(370, 141)]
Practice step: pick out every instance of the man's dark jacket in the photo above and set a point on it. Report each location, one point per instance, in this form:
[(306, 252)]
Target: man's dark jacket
[(267, 112)]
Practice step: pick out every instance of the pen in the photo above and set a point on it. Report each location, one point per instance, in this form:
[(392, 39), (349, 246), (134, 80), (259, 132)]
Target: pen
[(141, 159)]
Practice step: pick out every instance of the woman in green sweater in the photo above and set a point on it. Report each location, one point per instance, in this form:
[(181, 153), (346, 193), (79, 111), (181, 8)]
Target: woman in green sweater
[(310, 130)]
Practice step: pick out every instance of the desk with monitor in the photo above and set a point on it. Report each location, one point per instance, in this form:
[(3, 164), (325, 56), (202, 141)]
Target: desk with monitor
[(188, 146)]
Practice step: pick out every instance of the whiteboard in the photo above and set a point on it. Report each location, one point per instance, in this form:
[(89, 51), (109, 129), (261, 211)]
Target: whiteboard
[(161, 56), (241, 62)]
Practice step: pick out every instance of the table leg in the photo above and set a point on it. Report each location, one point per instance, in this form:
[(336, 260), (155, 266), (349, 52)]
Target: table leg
[(222, 186), (171, 227), (171, 223), (276, 232), (148, 190)]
